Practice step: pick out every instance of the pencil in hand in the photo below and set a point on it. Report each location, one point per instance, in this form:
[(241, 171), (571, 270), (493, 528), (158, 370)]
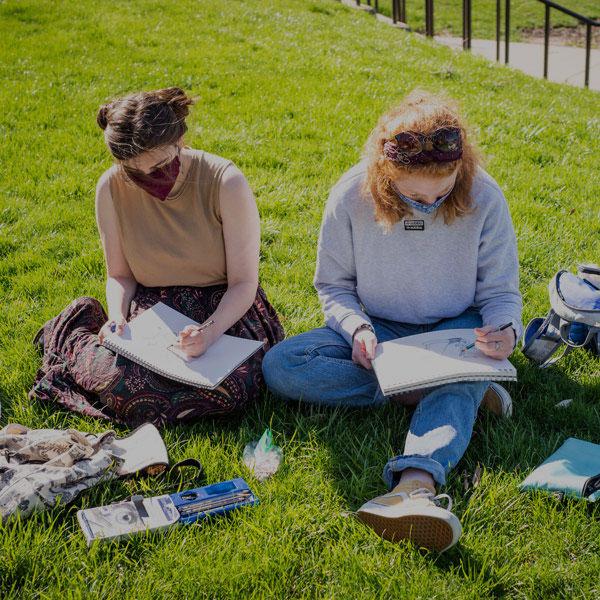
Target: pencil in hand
[(501, 328)]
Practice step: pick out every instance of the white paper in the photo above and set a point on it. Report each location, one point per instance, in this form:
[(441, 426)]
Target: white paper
[(435, 358), (147, 338)]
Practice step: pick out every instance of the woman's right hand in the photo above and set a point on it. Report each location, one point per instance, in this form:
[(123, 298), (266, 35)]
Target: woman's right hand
[(363, 348), (116, 325)]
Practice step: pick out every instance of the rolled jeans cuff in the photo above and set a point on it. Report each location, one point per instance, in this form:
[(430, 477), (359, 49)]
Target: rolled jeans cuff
[(394, 466)]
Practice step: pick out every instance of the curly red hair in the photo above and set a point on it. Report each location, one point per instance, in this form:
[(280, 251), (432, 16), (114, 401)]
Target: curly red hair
[(424, 113)]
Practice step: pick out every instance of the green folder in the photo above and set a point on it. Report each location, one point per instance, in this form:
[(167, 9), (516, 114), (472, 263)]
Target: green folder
[(574, 470)]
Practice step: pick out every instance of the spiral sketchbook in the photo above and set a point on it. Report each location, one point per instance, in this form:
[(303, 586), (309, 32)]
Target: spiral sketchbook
[(148, 338), (435, 358)]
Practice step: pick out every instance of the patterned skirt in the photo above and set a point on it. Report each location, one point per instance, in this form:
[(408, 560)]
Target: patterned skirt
[(84, 376)]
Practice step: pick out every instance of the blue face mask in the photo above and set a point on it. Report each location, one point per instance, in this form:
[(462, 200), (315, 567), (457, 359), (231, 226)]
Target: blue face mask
[(424, 208)]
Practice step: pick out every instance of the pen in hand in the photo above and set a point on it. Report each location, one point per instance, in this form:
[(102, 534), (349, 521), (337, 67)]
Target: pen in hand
[(501, 328), (202, 327), (205, 325), (177, 347)]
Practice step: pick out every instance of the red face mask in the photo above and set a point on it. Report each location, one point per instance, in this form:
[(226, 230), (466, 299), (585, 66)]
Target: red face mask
[(160, 182)]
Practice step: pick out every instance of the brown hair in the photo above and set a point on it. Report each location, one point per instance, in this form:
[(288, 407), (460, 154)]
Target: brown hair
[(143, 121), (424, 113)]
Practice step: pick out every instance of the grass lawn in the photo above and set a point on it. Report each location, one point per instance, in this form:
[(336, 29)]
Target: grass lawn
[(524, 14), (289, 90)]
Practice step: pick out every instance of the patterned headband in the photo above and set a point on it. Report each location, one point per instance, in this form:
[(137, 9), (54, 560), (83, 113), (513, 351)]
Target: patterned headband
[(411, 148)]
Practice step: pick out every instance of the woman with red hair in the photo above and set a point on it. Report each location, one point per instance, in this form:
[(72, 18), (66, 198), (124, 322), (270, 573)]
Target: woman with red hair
[(415, 238)]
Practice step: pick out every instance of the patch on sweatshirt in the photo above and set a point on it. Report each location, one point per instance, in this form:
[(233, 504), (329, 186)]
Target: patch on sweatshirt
[(414, 225)]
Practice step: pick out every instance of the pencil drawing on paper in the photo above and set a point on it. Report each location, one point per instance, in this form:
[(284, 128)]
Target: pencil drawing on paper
[(448, 346)]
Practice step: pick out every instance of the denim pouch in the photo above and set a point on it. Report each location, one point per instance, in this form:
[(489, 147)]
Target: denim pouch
[(573, 470)]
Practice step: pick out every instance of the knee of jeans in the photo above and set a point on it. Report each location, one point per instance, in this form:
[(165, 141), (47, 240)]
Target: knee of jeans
[(277, 364), (456, 395)]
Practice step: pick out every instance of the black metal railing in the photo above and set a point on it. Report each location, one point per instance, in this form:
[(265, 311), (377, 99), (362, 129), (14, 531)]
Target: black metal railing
[(589, 23), (399, 16)]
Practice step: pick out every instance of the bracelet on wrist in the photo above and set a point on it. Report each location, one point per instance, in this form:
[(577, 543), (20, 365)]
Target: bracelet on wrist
[(367, 326)]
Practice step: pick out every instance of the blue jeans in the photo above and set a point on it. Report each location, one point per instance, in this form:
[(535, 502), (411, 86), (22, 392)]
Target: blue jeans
[(317, 367)]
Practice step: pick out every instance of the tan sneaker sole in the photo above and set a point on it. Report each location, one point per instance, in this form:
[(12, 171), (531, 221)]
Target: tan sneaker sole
[(423, 531)]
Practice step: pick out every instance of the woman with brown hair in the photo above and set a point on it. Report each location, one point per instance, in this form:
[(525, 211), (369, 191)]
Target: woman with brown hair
[(178, 226), (415, 238)]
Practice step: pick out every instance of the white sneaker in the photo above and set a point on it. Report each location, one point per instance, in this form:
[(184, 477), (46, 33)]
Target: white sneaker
[(416, 516), (498, 401)]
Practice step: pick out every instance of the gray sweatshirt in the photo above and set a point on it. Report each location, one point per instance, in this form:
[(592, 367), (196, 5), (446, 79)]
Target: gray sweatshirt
[(422, 270)]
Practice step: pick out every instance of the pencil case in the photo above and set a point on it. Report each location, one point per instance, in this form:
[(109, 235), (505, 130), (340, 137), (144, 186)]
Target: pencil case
[(140, 515)]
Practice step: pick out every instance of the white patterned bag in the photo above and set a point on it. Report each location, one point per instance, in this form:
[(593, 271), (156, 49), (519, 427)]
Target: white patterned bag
[(40, 468)]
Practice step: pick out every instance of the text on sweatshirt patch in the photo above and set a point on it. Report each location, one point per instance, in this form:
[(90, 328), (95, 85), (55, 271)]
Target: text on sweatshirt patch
[(414, 225)]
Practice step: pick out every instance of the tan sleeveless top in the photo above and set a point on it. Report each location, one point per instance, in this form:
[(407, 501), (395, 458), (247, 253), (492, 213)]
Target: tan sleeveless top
[(177, 241)]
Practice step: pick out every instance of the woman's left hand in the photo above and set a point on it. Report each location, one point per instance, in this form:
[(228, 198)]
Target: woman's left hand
[(193, 342), (495, 344)]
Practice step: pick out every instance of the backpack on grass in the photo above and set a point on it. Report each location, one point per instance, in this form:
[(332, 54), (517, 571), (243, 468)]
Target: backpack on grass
[(573, 320)]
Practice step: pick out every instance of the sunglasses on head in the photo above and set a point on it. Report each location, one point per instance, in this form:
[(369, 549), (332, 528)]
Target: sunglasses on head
[(443, 145), (443, 140)]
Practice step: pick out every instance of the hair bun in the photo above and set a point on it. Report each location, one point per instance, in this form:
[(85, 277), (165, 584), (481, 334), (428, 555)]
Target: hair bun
[(102, 116), (177, 99), (144, 120)]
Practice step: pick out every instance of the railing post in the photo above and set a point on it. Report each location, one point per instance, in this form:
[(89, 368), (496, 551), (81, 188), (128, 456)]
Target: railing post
[(506, 29), (402, 10), (429, 18), (498, 27), (546, 39), (470, 21), (464, 7), (588, 49), (377, 6), (466, 24)]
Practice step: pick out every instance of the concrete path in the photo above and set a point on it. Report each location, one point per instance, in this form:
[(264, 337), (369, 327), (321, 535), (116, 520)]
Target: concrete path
[(566, 64)]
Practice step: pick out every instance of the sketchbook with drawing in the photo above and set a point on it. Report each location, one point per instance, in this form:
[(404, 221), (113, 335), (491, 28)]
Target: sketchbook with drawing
[(148, 337), (435, 358)]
